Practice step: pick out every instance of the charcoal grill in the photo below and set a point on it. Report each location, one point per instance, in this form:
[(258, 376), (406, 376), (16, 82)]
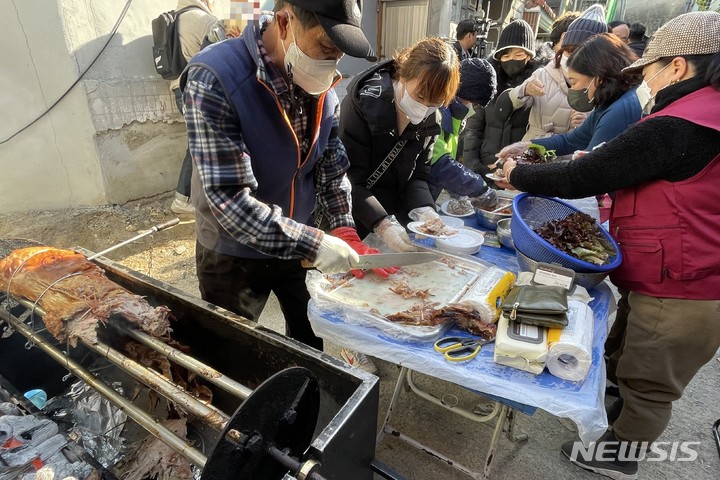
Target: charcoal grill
[(279, 407)]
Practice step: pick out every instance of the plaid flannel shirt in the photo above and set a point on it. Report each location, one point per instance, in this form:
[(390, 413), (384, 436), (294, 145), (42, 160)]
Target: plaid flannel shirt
[(223, 163)]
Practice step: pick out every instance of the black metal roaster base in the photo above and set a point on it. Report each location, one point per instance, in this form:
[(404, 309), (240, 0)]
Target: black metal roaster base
[(281, 413)]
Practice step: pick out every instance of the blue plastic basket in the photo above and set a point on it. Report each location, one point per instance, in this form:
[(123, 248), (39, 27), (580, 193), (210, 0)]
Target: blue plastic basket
[(532, 211)]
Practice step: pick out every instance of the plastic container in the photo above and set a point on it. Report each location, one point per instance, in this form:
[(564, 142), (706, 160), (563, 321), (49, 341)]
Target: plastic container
[(587, 280), (532, 211), (452, 222), (467, 242)]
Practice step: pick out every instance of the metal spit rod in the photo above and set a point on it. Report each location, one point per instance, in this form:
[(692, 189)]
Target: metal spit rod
[(138, 415), (208, 413), (205, 371), (184, 360), (152, 379), (156, 228)]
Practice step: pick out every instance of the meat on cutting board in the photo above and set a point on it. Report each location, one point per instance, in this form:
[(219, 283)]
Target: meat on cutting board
[(75, 293)]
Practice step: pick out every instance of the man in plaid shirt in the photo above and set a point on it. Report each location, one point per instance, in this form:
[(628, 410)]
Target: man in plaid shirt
[(262, 123)]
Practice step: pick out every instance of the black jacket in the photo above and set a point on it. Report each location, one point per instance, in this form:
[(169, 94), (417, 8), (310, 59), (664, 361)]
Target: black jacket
[(486, 135), (368, 129)]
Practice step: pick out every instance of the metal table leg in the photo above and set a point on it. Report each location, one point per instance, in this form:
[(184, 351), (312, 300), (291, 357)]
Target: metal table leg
[(504, 415)]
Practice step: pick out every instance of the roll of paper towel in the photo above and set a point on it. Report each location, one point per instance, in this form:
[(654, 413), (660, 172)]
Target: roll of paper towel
[(486, 295), (570, 348)]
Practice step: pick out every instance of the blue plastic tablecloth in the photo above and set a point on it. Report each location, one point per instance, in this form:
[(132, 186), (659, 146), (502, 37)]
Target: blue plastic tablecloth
[(581, 402)]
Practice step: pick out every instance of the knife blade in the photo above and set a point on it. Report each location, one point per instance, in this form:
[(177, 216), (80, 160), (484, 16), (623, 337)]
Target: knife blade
[(381, 260)]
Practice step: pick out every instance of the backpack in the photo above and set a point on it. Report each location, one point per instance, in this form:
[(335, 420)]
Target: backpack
[(167, 51)]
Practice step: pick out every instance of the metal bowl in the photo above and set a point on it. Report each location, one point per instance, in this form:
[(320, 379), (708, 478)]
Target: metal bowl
[(504, 234), (488, 220), (587, 280)]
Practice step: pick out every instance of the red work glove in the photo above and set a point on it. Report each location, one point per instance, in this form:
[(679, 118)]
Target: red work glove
[(350, 236)]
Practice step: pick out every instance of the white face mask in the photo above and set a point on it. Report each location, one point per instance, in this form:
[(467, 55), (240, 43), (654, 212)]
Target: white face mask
[(415, 111), (645, 95), (564, 65), (313, 76)]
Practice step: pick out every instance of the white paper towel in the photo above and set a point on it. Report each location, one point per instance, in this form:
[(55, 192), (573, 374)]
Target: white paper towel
[(570, 356)]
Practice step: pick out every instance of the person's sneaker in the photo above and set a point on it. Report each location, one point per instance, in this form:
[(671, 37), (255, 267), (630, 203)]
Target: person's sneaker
[(613, 410), (614, 460), (358, 360), (182, 207)]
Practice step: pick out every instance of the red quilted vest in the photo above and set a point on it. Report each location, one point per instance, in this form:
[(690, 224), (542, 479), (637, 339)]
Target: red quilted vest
[(669, 232)]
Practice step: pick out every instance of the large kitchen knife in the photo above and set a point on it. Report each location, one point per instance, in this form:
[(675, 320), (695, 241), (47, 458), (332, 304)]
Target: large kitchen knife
[(382, 260)]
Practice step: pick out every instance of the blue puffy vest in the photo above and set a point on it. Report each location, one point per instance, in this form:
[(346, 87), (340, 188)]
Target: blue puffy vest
[(284, 177)]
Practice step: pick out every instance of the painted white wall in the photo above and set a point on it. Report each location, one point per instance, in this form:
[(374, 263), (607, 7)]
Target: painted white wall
[(78, 154), (117, 134), (52, 163)]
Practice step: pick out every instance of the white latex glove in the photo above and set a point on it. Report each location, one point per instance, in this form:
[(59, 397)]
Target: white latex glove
[(335, 256), (513, 150), (487, 200), (394, 235), (423, 214)]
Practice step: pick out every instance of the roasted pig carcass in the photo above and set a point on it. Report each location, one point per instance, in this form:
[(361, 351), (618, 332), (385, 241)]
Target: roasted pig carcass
[(75, 294)]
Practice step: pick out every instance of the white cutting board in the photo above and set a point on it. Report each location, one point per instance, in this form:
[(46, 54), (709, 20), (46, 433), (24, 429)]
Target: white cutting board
[(445, 283)]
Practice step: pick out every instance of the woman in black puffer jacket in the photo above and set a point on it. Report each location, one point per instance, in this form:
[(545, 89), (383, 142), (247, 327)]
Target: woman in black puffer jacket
[(485, 133)]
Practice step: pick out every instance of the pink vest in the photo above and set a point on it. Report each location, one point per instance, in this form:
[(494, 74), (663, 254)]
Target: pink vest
[(669, 232)]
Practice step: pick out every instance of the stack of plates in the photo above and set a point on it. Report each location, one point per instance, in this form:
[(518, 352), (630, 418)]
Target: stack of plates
[(467, 242)]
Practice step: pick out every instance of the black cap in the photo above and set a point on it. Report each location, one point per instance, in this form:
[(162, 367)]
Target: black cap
[(478, 81), (341, 21)]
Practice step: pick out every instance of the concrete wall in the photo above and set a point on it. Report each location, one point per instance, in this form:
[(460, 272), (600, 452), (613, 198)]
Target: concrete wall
[(653, 14), (54, 162), (350, 66), (77, 154), (117, 134)]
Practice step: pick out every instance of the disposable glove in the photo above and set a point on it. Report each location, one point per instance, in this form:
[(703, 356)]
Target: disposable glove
[(423, 214), (486, 201), (394, 235), (512, 150), (335, 256), (349, 235)]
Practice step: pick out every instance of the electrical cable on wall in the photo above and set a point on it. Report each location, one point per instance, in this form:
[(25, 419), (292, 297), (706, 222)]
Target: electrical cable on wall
[(112, 34)]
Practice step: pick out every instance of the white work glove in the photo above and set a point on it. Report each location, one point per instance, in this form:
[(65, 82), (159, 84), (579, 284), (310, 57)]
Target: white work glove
[(486, 201), (423, 214), (335, 256), (394, 235)]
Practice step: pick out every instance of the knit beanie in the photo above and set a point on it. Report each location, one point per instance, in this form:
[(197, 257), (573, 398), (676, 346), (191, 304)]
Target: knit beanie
[(590, 23), (478, 81), (518, 34)]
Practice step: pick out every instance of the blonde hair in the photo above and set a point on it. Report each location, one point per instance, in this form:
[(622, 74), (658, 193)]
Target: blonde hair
[(435, 66)]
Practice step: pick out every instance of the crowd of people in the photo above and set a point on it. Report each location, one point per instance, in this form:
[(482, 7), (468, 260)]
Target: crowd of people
[(283, 173)]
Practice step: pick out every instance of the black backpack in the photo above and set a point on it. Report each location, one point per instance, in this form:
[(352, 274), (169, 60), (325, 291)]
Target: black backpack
[(167, 51)]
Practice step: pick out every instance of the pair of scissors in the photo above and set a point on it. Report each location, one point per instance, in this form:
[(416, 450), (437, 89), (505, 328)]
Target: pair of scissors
[(460, 349)]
